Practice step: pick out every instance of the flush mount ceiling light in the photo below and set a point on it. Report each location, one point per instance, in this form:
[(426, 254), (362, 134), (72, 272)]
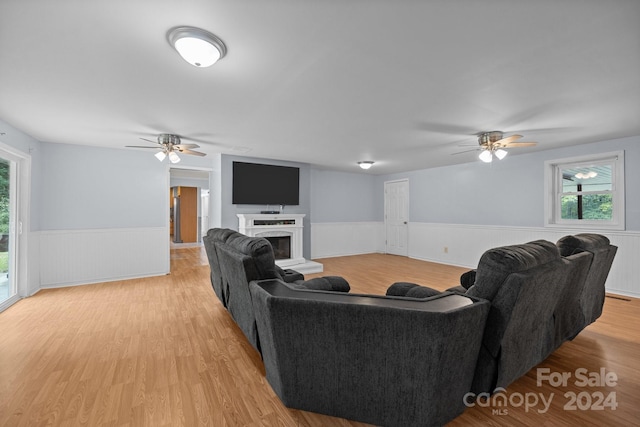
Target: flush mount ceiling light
[(198, 47), (365, 165)]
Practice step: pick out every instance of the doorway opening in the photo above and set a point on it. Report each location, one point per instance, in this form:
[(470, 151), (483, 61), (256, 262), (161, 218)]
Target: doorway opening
[(188, 206)]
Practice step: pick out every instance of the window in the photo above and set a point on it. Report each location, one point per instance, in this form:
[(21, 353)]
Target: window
[(586, 192)]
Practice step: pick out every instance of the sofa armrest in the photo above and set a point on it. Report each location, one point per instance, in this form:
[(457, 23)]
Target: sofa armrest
[(289, 275)]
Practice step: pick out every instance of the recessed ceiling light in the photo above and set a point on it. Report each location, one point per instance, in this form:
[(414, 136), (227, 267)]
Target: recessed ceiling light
[(198, 47), (365, 164)]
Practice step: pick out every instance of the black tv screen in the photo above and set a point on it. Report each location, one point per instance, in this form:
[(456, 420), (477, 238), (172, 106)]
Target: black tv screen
[(258, 184)]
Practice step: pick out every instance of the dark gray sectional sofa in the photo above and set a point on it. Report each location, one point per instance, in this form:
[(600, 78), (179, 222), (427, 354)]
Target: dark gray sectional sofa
[(542, 294), (236, 260), (408, 358), (381, 360)]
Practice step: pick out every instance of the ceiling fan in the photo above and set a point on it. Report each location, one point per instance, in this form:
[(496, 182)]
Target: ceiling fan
[(494, 143), (169, 146)]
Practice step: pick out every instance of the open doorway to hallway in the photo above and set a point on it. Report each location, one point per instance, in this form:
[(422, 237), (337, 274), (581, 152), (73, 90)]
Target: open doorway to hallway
[(188, 206)]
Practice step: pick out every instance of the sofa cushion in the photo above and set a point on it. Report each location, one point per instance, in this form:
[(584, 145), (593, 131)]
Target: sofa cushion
[(593, 293), (422, 292), (569, 245), (216, 235), (497, 264), (400, 289), (327, 283), (260, 250)]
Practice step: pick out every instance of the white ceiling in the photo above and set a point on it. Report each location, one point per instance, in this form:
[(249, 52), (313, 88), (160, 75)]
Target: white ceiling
[(330, 83)]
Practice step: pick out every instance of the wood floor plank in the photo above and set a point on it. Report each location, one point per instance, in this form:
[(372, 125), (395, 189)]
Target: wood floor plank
[(163, 351)]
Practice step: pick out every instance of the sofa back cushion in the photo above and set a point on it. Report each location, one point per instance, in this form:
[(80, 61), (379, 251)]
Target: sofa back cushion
[(593, 292), (569, 245), (239, 269), (523, 283), (212, 236), (260, 250), (569, 316), (497, 264)]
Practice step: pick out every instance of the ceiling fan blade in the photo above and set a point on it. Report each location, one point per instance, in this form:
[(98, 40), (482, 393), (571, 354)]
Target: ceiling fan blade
[(519, 144), (508, 139), (185, 146), (141, 146), (193, 153), (148, 140)]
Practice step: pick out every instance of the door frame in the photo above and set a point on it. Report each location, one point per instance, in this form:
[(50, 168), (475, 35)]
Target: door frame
[(209, 170)]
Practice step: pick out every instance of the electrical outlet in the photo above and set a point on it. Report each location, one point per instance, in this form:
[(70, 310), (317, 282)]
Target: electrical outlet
[(446, 250)]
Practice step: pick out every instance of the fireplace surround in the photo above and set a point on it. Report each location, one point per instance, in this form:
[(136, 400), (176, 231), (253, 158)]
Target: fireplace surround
[(277, 228)]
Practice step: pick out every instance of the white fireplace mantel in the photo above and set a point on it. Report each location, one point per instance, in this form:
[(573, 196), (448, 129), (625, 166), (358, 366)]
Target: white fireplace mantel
[(280, 225)]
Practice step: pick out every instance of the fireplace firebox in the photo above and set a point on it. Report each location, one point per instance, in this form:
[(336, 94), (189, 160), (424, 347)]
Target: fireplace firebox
[(281, 246), (284, 231)]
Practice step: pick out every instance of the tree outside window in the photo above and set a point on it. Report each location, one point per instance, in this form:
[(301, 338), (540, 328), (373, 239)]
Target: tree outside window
[(4, 214)]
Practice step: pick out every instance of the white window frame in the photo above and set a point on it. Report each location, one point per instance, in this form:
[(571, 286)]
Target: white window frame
[(553, 189)]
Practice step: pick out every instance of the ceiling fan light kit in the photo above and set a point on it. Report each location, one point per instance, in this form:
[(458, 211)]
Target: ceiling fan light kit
[(494, 143), (486, 156), (198, 47), (500, 153), (173, 157)]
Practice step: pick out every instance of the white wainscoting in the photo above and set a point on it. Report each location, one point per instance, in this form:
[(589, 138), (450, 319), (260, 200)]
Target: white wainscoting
[(466, 243), (332, 239), (74, 257)]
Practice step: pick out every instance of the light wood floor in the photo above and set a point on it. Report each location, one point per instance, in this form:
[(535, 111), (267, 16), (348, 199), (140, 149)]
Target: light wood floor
[(164, 352)]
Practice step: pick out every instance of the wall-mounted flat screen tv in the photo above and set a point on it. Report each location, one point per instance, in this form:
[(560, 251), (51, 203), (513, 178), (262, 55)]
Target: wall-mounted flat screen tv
[(258, 184)]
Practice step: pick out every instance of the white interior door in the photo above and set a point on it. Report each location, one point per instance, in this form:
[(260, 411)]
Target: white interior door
[(396, 216)]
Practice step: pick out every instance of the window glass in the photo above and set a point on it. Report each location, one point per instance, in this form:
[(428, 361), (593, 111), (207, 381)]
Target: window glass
[(586, 192)]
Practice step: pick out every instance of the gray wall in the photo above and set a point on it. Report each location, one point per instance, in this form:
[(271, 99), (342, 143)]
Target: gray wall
[(508, 192), (342, 196), (90, 187)]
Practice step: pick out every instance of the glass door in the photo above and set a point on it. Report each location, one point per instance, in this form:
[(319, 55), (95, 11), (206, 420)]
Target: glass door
[(7, 229)]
